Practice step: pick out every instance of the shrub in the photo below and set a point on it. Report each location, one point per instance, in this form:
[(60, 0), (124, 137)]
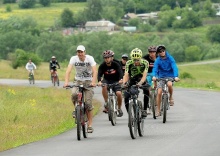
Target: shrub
[(186, 75), (24, 4)]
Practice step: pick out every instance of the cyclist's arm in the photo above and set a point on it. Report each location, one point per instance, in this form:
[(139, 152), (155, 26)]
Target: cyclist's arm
[(26, 66), (35, 67), (100, 73), (125, 77), (67, 75), (94, 75), (58, 64), (120, 71)]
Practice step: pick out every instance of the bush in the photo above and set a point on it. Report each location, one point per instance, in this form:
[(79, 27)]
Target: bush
[(45, 2), (24, 4), (186, 75), (9, 1)]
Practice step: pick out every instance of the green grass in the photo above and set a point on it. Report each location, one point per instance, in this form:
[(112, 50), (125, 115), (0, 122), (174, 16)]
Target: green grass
[(29, 114), (45, 16), (204, 76)]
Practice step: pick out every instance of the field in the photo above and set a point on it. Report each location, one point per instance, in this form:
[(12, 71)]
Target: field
[(44, 16)]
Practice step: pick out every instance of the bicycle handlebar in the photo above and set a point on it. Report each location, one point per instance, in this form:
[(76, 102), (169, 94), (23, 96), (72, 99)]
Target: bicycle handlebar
[(110, 85), (165, 79), (79, 86)]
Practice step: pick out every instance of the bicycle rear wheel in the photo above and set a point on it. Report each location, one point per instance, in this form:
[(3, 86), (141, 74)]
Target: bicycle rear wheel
[(78, 121), (112, 112), (132, 122), (140, 120), (164, 105)]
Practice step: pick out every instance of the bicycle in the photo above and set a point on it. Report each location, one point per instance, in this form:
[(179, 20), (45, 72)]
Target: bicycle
[(80, 112), (31, 77), (55, 78), (135, 119), (152, 101), (164, 102), (112, 103)]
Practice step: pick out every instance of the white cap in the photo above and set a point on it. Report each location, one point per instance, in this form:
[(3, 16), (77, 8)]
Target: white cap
[(81, 47)]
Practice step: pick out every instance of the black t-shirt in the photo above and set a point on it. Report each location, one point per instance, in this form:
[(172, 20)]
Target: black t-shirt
[(151, 62), (122, 66), (111, 73)]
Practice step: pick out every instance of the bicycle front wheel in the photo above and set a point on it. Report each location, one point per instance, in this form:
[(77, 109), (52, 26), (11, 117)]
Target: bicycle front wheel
[(164, 105), (112, 112), (153, 104), (84, 124), (140, 120), (132, 122), (78, 121)]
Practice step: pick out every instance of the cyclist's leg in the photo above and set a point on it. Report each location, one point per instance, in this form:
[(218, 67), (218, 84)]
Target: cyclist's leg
[(88, 96), (170, 89), (159, 94), (74, 98), (105, 95), (119, 98)]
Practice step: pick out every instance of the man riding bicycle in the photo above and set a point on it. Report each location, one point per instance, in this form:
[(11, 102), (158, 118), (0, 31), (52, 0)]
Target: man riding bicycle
[(86, 74), (136, 73), (30, 66), (164, 67), (150, 57), (53, 65), (112, 74)]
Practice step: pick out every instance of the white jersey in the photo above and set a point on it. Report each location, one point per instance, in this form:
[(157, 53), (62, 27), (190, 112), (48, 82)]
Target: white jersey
[(83, 68), (30, 66)]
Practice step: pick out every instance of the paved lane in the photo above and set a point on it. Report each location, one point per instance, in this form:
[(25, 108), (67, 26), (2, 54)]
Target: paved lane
[(192, 129)]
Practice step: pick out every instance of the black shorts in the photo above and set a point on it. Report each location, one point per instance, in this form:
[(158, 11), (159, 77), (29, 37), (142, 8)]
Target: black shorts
[(115, 88)]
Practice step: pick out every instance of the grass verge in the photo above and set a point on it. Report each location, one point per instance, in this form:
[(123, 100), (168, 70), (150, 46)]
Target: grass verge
[(29, 114)]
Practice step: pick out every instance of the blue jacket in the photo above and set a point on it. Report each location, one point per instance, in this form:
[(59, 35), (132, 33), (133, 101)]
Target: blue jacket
[(165, 67)]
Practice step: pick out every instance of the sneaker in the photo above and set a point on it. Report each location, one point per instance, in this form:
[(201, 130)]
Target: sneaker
[(144, 113), (74, 114), (105, 110), (90, 129), (120, 113)]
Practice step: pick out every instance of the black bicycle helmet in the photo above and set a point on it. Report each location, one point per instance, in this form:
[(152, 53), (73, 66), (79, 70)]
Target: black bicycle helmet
[(107, 53), (152, 48), (160, 47)]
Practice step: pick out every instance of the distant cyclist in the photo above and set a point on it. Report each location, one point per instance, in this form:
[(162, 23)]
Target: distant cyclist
[(136, 73), (30, 66), (150, 57), (112, 73), (124, 59), (164, 67), (53, 65)]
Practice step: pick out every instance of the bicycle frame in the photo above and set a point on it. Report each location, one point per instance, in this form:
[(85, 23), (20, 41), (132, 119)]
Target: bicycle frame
[(164, 100), (31, 77), (112, 103), (81, 112), (55, 78)]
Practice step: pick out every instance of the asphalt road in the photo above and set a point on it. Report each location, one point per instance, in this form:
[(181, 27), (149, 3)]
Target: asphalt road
[(192, 129)]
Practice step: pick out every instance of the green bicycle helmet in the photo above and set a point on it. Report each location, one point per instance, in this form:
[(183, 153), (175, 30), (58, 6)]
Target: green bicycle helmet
[(136, 54)]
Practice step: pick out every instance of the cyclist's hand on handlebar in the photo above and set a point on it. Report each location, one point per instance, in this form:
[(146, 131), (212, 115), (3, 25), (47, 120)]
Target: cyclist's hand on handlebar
[(176, 79), (99, 83), (93, 84), (139, 83), (65, 85), (154, 78), (120, 81)]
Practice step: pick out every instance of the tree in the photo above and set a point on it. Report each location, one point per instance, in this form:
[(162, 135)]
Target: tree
[(67, 18), (45, 2), (213, 33), (25, 4), (192, 53), (93, 10)]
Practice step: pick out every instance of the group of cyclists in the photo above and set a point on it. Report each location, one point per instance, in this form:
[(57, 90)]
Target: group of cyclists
[(138, 70)]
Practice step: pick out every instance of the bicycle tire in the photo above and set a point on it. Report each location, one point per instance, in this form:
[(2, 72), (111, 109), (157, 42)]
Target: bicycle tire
[(153, 104), (78, 121), (84, 124), (109, 112), (140, 120), (132, 122), (113, 113), (54, 81), (164, 105)]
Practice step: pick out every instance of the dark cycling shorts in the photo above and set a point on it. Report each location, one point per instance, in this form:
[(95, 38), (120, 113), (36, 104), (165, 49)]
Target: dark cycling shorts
[(115, 88)]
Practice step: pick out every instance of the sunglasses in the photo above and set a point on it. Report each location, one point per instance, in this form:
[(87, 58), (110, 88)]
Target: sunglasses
[(161, 51), (136, 60)]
